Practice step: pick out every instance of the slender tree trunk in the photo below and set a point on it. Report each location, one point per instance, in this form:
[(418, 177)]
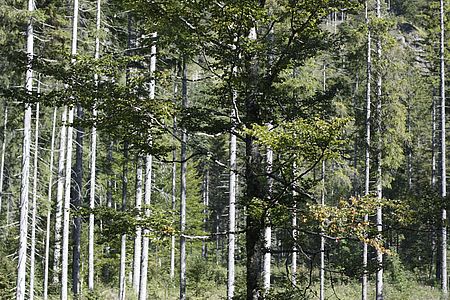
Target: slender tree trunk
[(268, 227), (145, 240), (367, 159), (59, 199), (232, 208), (138, 237), (93, 163), (123, 250), (66, 209), (68, 177), (34, 204), (443, 157), (183, 190), (322, 241), (77, 195), (2, 162), (24, 188), (49, 211), (174, 174), (379, 276), (148, 184)]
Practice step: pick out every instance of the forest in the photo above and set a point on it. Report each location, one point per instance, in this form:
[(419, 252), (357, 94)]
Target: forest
[(223, 149)]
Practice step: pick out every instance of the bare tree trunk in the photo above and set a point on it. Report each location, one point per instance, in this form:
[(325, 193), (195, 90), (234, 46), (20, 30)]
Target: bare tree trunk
[(183, 191), (268, 227), (77, 195), (174, 174), (123, 249), (59, 199), (34, 204), (443, 157), (24, 188), (148, 184), (367, 160), (49, 211), (68, 177), (2, 162), (379, 276), (145, 241), (138, 237), (322, 241), (232, 208), (93, 164)]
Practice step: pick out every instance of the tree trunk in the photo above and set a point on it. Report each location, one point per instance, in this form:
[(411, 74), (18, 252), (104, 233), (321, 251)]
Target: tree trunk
[(2, 162), (148, 185), (123, 249), (367, 159), (183, 190), (77, 194), (24, 188), (59, 199), (34, 205), (145, 239), (66, 208), (232, 207), (268, 227), (49, 211), (174, 174), (138, 237), (443, 156)]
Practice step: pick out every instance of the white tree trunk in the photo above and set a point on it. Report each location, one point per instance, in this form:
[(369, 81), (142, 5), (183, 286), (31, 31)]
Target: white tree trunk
[(123, 249), (34, 205), (49, 211), (93, 164), (322, 241), (2, 162), (59, 198), (443, 156), (268, 228), (183, 192), (379, 276), (68, 173), (174, 182), (148, 184), (24, 188), (145, 239), (232, 208), (138, 237), (66, 208), (367, 146)]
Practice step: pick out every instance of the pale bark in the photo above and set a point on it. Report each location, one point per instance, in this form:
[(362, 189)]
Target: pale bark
[(232, 208), (34, 205), (148, 185), (268, 228), (379, 275), (66, 208), (2, 162), (145, 239), (322, 241), (92, 206), (123, 243), (174, 174), (59, 198), (138, 237), (183, 191), (24, 188), (49, 211), (93, 165), (443, 156), (68, 171), (367, 146)]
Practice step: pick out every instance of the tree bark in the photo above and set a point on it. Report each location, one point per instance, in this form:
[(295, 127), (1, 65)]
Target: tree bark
[(49, 211), (34, 205), (183, 190), (24, 188), (138, 237), (2, 162), (123, 243), (443, 156)]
